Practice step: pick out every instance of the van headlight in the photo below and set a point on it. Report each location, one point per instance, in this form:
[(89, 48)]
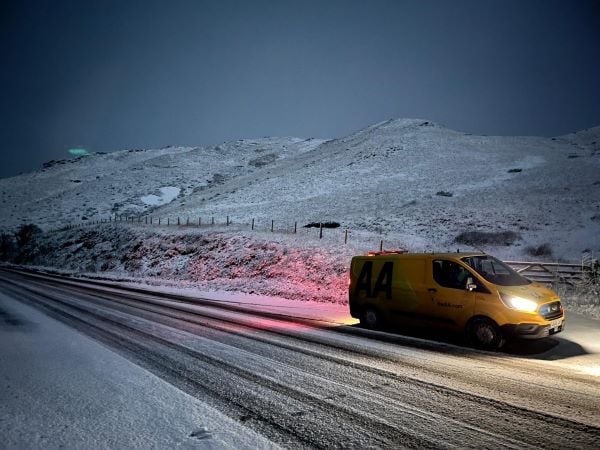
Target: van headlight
[(518, 303)]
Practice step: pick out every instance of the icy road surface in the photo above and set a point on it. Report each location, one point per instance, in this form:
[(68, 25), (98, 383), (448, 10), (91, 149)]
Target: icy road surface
[(296, 383)]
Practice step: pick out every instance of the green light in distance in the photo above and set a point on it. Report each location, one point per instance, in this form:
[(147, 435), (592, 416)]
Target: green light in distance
[(78, 152)]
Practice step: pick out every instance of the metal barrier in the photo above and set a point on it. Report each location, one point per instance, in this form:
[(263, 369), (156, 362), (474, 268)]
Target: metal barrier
[(549, 273)]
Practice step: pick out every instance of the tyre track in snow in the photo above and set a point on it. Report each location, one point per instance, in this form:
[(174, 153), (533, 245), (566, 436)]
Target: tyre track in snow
[(274, 405), (291, 390), (563, 393)]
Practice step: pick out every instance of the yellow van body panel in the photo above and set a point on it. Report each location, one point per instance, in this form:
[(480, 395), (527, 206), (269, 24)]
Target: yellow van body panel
[(403, 287)]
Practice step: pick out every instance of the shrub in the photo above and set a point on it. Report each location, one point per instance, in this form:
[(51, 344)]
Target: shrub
[(476, 238), (27, 240), (8, 247), (444, 193), (585, 293), (26, 234), (515, 170), (323, 224), (540, 250)]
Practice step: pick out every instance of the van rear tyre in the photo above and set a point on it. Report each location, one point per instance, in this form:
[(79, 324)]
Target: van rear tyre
[(370, 319), (485, 334)]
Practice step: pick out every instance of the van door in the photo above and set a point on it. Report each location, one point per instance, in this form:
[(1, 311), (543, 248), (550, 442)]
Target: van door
[(451, 302), (409, 287)]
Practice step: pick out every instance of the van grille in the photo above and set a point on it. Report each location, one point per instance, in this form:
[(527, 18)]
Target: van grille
[(551, 311)]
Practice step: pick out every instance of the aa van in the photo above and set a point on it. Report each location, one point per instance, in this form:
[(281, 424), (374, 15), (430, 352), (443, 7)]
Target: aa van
[(473, 293)]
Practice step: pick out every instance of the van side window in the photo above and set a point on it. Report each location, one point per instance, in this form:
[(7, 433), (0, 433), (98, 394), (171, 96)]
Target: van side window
[(449, 274)]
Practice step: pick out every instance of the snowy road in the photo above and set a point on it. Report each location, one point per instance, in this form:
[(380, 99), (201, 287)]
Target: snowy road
[(308, 383)]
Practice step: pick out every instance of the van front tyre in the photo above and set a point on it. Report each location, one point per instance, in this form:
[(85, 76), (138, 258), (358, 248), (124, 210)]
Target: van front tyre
[(485, 334), (370, 319)]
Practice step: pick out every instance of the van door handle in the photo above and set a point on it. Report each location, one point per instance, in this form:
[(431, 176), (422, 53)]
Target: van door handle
[(432, 290)]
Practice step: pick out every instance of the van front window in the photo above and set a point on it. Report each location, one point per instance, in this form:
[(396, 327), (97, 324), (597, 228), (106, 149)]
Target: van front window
[(495, 271)]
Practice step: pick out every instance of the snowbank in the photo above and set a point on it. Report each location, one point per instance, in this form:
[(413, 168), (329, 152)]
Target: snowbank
[(61, 389), (287, 266)]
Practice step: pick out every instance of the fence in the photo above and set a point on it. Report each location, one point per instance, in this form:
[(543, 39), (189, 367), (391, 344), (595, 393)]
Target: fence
[(200, 222)]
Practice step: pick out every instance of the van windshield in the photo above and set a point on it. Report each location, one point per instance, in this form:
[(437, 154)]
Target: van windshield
[(495, 271)]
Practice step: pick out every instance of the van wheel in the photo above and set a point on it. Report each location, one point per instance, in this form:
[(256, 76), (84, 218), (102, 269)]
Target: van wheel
[(485, 334), (370, 319)]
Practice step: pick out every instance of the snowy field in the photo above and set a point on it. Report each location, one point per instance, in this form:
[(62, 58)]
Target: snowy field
[(410, 182)]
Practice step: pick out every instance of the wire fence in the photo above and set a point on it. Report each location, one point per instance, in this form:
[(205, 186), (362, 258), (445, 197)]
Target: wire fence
[(203, 222)]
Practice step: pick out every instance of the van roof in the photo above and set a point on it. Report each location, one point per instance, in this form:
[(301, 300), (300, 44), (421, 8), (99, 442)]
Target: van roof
[(393, 254)]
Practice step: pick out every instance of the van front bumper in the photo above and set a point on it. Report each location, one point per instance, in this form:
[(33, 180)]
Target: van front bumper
[(530, 330)]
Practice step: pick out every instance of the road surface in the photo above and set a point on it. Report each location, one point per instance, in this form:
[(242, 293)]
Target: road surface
[(302, 383)]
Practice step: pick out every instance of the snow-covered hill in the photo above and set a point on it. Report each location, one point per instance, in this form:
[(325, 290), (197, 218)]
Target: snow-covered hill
[(412, 182), (132, 181)]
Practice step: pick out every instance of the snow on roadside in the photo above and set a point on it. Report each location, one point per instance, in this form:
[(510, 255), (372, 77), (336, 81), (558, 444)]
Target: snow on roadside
[(287, 266), (63, 389)]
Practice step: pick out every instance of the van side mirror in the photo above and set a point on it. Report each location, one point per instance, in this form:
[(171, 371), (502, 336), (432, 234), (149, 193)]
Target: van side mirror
[(471, 286)]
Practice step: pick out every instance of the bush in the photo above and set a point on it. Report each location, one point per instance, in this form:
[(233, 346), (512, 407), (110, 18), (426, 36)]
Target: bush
[(27, 246), (8, 247), (476, 238), (515, 170), (26, 234), (586, 293), (323, 224), (540, 250), (444, 193)]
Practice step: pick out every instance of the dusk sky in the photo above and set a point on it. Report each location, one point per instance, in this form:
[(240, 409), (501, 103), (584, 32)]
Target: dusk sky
[(111, 75)]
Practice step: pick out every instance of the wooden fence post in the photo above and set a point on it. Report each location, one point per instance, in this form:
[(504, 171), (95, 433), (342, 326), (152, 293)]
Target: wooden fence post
[(320, 230), (252, 224), (212, 220), (227, 223), (295, 227), (177, 220), (381, 245), (346, 237), (272, 225)]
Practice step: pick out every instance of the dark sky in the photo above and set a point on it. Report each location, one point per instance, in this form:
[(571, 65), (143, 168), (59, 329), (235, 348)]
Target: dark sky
[(108, 75)]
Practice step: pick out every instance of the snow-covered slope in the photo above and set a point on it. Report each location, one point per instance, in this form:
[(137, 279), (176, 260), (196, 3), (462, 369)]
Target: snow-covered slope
[(410, 181), (132, 181)]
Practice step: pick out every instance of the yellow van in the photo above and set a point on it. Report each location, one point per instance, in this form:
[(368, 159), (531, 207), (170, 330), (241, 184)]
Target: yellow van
[(471, 292)]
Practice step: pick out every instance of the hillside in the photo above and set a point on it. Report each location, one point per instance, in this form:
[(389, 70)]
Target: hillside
[(411, 182), (132, 181)]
